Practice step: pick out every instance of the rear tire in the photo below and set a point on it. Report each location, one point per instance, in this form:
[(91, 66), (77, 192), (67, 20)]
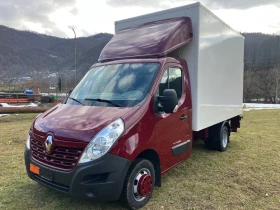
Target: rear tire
[(223, 140), (219, 137), (140, 175)]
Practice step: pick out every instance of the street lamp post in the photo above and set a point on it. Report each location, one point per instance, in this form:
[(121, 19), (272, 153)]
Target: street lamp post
[(75, 56), (10, 81)]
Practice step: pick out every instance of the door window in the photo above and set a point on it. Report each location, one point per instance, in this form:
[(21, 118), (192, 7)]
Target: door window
[(171, 79)]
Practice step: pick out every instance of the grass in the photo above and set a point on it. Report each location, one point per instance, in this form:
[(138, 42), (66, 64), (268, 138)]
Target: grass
[(246, 176)]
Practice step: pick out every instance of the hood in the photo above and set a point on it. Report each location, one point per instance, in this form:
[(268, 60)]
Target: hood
[(76, 123)]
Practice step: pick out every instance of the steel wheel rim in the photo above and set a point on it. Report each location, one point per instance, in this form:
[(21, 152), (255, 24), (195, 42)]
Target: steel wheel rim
[(225, 138), (141, 172)]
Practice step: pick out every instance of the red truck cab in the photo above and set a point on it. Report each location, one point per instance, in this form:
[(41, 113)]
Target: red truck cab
[(126, 123), (149, 137)]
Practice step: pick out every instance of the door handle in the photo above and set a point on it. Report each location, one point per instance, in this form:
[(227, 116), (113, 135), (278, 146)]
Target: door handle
[(183, 117)]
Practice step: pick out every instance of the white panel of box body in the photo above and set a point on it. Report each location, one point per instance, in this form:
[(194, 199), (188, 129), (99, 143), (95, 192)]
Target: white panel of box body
[(215, 62)]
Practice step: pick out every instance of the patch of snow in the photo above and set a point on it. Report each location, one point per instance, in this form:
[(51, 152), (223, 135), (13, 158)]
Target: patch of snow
[(32, 105), (3, 115), (28, 105), (52, 75), (255, 106)]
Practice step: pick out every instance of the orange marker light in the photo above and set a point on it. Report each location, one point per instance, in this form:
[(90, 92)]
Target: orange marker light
[(34, 169)]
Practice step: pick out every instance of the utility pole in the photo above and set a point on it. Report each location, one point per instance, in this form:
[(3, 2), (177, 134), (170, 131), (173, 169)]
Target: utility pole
[(10, 81), (75, 56)]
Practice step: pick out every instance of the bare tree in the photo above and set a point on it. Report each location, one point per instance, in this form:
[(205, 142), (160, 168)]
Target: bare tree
[(2, 77), (276, 73), (268, 81), (249, 88)]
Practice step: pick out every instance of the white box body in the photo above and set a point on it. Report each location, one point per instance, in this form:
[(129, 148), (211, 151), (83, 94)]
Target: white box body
[(215, 63)]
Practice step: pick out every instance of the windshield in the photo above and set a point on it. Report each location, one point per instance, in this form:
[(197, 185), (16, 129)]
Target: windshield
[(122, 85)]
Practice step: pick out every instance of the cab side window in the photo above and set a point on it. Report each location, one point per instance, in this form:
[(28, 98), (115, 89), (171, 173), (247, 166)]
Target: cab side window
[(171, 79)]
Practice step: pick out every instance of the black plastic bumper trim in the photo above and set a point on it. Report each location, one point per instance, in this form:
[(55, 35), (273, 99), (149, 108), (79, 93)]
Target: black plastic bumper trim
[(101, 179), (53, 185)]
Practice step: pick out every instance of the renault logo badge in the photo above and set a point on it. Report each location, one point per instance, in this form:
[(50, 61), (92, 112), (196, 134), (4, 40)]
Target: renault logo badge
[(48, 143)]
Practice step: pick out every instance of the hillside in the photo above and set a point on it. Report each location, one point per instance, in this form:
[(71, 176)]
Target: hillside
[(24, 53), (262, 51), (42, 58)]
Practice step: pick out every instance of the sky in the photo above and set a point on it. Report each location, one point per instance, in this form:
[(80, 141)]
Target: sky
[(88, 17)]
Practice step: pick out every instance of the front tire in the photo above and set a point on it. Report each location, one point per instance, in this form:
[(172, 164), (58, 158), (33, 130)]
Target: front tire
[(139, 184)]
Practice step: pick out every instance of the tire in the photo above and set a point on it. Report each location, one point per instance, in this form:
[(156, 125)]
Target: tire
[(223, 140), (219, 137), (141, 173)]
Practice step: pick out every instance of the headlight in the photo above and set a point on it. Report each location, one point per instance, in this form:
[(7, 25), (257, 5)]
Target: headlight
[(103, 141), (28, 142)]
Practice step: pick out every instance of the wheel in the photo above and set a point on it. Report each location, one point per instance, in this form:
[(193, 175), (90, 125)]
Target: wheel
[(219, 137), (223, 140), (139, 184)]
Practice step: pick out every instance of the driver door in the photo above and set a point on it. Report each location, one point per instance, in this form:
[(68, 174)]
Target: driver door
[(172, 133)]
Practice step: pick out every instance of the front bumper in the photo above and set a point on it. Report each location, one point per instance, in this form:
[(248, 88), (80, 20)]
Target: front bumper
[(101, 179)]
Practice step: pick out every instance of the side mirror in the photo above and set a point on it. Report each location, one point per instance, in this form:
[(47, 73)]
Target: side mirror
[(168, 101)]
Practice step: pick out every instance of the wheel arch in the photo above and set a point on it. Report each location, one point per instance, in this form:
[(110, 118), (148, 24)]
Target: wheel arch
[(152, 156)]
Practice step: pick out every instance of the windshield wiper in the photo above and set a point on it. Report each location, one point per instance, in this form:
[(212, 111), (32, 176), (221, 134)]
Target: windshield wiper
[(77, 101), (104, 100)]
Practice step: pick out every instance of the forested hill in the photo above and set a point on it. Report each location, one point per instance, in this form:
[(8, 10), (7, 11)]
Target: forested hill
[(22, 52), (262, 51)]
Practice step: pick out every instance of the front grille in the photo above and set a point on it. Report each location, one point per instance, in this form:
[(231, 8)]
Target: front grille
[(64, 158)]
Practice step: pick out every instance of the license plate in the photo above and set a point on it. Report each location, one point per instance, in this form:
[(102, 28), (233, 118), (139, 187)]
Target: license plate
[(46, 175)]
